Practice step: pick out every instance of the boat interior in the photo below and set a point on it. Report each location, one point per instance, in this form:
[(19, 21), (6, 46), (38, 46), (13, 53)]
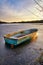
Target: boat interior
[(23, 33)]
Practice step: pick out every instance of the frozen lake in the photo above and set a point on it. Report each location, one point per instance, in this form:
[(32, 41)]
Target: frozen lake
[(24, 54)]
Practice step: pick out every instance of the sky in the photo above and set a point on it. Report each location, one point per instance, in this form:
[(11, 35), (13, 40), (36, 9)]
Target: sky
[(21, 10)]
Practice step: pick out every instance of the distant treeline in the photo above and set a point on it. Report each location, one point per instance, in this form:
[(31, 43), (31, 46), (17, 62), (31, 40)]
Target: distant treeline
[(1, 22), (37, 21)]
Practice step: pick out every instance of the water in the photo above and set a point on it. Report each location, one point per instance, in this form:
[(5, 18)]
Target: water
[(24, 54)]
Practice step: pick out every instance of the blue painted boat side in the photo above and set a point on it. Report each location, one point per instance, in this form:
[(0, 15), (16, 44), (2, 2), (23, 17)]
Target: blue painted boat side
[(11, 41), (16, 42)]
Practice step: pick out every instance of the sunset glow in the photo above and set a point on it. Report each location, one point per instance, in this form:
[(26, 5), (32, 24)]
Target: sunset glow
[(21, 10)]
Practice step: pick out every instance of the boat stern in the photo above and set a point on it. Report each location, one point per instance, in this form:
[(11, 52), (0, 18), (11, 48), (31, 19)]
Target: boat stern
[(10, 41)]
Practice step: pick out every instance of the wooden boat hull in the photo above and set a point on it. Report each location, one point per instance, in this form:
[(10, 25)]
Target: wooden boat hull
[(16, 41)]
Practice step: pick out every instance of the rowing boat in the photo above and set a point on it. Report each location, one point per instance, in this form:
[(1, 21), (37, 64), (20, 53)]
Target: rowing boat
[(19, 37)]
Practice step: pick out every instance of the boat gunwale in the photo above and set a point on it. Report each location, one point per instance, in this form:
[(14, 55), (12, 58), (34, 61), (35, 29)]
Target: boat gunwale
[(20, 37)]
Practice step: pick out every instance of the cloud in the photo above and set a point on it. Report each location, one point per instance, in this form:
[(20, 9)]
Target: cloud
[(18, 11)]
